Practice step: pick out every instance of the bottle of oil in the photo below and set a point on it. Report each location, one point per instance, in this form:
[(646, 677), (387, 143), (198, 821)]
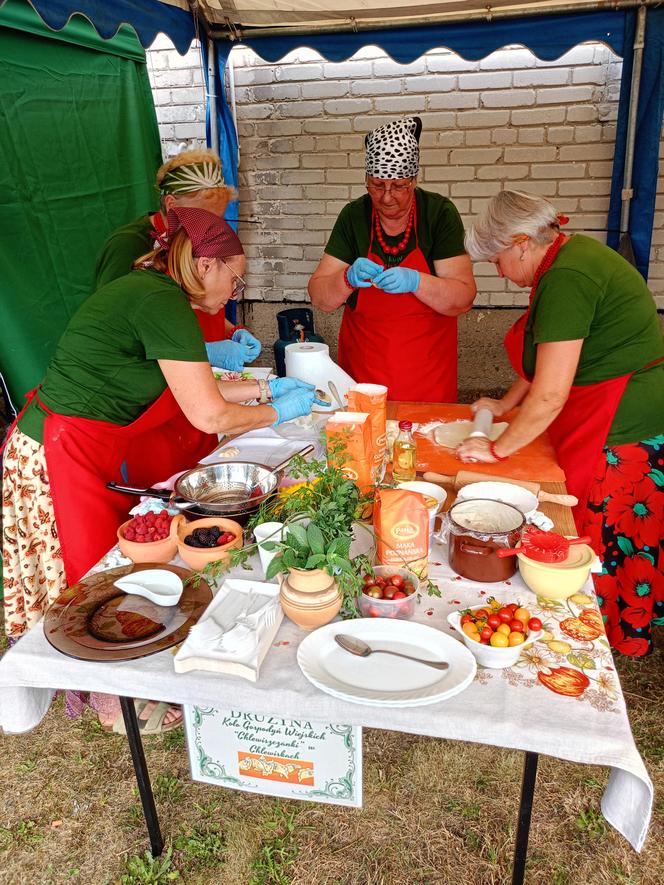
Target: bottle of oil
[(404, 456)]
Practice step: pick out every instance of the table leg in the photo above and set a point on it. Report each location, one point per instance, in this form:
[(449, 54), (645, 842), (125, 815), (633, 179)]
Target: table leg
[(523, 823), (142, 775)]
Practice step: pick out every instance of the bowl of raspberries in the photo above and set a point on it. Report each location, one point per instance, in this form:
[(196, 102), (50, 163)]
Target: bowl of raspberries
[(147, 537), (206, 540)]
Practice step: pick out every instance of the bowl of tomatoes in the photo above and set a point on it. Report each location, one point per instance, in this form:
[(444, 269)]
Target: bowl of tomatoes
[(496, 633), (389, 592)]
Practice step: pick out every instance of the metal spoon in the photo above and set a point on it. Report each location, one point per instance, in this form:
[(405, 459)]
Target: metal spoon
[(335, 394), (323, 397), (358, 647)]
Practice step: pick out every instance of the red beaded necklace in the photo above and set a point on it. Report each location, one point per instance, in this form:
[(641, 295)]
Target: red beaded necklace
[(401, 245), (546, 262)]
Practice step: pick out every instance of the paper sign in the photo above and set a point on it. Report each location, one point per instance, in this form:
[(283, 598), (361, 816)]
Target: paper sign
[(291, 758)]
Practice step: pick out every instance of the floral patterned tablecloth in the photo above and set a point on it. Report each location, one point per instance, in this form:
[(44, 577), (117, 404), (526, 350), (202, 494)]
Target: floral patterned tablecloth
[(562, 698)]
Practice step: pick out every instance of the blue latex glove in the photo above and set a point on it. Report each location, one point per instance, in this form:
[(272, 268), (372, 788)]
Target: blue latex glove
[(397, 280), (293, 404), (361, 273), (281, 386), (229, 355), (252, 344)]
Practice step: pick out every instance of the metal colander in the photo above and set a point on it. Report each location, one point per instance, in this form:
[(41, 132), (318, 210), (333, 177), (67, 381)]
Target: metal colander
[(226, 488)]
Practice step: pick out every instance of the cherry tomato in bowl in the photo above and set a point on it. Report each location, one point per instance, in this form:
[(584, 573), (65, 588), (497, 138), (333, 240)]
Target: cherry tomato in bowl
[(389, 593)]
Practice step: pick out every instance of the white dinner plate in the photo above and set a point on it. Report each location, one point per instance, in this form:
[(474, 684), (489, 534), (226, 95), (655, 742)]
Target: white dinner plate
[(385, 680)]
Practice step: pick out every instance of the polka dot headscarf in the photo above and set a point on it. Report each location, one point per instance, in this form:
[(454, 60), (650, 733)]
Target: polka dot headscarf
[(210, 235), (393, 150)]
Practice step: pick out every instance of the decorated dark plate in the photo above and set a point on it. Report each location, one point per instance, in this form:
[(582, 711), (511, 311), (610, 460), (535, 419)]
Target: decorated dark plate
[(96, 621)]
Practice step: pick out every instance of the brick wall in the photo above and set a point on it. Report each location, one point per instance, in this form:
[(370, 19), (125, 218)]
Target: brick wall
[(508, 120)]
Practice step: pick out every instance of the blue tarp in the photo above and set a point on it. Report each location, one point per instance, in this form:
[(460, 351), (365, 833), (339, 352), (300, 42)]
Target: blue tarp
[(547, 36), (648, 132), (147, 17)]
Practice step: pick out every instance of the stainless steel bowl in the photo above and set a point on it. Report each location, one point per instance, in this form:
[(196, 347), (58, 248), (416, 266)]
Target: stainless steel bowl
[(225, 488)]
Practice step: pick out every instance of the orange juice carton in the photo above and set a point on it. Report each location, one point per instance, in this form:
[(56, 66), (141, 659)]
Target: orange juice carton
[(401, 524)]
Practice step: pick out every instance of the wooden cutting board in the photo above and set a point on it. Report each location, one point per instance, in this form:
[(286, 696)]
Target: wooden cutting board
[(535, 462)]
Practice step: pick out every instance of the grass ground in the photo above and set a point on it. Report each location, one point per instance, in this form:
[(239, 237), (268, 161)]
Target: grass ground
[(70, 813)]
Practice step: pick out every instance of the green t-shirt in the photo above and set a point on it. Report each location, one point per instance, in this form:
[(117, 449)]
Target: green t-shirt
[(121, 249), (439, 232), (105, 365), (591, 292)]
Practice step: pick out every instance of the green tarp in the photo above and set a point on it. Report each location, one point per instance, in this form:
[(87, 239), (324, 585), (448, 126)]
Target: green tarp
[(79, 148)]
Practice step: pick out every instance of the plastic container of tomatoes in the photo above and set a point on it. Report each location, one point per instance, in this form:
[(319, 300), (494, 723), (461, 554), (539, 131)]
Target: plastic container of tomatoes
[(403, 606)]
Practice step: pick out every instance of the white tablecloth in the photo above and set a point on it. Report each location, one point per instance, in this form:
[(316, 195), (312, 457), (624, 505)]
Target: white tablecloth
[(566, 704)]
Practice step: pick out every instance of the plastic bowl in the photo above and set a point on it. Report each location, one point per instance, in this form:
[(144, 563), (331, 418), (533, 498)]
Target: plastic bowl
[(558, 580), (487, 655), (152, 551), (198, 557), (390, 608)]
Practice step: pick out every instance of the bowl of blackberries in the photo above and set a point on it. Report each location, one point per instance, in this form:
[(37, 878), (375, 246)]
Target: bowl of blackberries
[(202, 541)]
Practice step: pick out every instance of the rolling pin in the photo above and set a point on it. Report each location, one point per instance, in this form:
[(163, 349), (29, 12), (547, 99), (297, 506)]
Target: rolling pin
[(465, 477)]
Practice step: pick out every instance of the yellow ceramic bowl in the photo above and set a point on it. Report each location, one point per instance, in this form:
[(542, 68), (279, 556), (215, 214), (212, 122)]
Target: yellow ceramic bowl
[(558, 580), (198, 557)]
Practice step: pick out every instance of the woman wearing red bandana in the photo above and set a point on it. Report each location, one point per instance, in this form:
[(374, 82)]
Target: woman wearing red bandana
[(129, 385), (589, 357)]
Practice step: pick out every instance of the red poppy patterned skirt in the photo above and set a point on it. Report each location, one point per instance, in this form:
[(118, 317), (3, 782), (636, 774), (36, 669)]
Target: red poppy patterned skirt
[(625, 519)]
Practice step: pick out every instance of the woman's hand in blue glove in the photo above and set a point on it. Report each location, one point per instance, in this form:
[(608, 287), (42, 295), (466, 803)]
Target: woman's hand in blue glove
[(253, 345), (397, 280), (229, 355), (361, 273), (293, 404), (281, 386)]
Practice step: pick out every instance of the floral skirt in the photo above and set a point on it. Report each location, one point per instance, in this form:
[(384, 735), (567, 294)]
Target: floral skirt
[(625, 519), (32, 569)]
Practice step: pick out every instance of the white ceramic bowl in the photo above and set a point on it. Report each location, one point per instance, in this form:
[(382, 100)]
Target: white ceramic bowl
[(487, 655), (156, 584), (507, 492)]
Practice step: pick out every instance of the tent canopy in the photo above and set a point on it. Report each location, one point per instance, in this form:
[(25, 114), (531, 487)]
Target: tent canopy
[(240, 20), (406, 30)]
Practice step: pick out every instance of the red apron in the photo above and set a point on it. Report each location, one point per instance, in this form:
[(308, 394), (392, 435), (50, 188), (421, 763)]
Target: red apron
[(580, 430), (398, 341), (82, 455), (213, 326)]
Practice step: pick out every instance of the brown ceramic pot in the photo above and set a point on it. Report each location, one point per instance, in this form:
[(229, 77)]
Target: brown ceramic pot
[(310, 598)]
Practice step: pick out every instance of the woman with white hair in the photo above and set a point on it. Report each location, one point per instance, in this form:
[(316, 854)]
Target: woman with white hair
[(190, 180), (589, 355)]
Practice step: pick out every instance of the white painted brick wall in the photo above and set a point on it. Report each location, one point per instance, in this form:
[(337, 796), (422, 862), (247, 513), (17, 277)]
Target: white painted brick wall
[(508, 120)]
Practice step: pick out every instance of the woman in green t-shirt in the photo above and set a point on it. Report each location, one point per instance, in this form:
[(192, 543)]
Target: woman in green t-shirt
[(589, 356), (129, 385)]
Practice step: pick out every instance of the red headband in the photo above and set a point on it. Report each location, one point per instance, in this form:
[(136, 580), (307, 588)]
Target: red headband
[(210, 236)]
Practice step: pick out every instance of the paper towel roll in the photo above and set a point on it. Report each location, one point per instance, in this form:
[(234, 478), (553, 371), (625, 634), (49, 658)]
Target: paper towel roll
[(310, 361)]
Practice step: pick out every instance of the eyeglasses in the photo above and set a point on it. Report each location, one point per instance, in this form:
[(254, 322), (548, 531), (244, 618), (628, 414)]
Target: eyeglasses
[(379, 190), (239, 285)]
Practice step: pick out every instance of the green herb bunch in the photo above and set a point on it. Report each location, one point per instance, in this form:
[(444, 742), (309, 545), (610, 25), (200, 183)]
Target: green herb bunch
[(319, 514)]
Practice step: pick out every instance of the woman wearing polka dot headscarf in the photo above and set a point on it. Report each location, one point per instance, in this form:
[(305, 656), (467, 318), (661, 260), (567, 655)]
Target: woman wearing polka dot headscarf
[(396, 262)]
